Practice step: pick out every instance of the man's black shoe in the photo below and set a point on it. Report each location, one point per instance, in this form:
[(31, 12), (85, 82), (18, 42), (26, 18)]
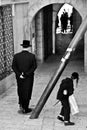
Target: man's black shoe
[(60, 118), (69, 123), (27, 111)]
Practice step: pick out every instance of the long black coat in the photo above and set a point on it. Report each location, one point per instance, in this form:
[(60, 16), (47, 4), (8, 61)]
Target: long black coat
[(24, 62), (66, 84)]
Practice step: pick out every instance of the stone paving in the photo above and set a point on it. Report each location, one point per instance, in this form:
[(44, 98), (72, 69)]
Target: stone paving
[(10, 119)]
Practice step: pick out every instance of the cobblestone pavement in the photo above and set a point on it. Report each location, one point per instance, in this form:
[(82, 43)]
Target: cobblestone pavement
[(10, 119)]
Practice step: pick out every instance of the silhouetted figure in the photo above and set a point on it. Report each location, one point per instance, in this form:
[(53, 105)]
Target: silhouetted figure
[(71, 22), (57, 21), (64, 21), (24, 64)]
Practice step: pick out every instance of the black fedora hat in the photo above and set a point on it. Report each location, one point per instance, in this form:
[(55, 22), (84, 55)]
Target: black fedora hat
[(26, 43)]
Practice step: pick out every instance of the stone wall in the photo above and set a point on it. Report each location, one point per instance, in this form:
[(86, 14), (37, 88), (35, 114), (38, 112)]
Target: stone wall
[(39, 36), (20, 25), (7, 83)]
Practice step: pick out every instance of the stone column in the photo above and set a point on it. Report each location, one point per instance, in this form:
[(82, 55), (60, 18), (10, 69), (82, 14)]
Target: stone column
[(56, 8), (85, 53), (53, 32), (39, 36)]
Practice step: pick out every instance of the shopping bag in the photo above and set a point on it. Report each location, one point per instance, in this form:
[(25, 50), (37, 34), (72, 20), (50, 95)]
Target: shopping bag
[(73, 105)]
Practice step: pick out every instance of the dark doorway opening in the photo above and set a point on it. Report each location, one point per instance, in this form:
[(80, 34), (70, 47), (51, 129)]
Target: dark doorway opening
[(47, 26)]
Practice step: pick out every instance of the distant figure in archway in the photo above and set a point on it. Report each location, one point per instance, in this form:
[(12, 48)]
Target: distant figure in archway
[(64, 21), (71, 21), (57, 21)]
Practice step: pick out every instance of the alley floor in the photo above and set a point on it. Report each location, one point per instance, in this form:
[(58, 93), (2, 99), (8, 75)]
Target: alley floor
[(11, 119)]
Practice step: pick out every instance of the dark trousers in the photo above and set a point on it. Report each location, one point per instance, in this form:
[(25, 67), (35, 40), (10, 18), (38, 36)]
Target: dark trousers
[(65, 110), (24, 91), (23, 99)]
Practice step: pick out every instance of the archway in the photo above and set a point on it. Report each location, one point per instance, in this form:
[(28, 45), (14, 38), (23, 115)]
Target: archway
[(65, 12), (42, 34), (63, 38), (34, 9)]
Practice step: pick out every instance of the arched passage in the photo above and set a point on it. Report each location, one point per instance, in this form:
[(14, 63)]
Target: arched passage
[(34, 9), (63, 39)]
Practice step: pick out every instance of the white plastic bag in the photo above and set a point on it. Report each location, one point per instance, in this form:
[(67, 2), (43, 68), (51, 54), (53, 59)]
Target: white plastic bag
[(73, 105)]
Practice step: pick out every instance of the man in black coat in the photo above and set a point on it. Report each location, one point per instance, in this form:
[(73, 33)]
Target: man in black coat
[(24, 64), (66, 89)]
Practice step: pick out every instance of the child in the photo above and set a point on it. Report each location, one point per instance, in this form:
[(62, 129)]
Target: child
[(66, 89)]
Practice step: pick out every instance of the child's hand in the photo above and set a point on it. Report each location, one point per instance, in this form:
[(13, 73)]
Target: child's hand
[(65, 92)]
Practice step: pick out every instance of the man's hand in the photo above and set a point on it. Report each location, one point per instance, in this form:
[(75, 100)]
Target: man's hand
[(22, 76)]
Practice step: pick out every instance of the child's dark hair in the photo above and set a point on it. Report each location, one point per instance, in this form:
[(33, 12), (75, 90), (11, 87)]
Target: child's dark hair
[(75, 75)]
